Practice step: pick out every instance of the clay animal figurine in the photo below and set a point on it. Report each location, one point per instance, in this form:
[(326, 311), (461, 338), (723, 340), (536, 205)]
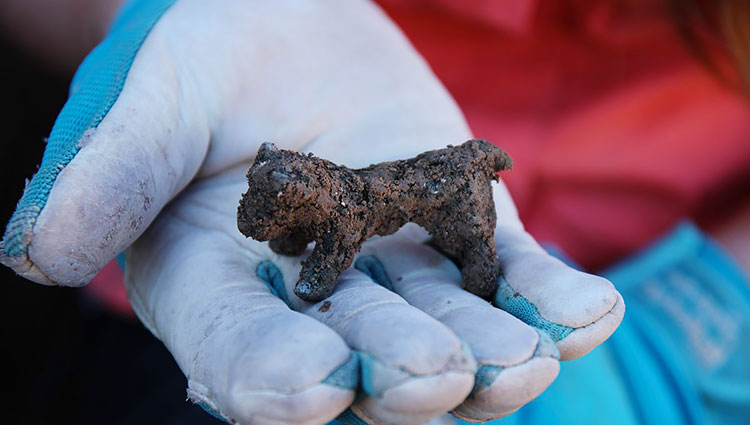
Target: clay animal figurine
[(294, 199)]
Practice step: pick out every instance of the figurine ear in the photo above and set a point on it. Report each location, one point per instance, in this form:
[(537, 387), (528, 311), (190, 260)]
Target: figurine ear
[(267, 152)]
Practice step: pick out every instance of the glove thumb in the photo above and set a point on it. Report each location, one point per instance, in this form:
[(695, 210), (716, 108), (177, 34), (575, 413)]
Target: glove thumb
[(128, 139)]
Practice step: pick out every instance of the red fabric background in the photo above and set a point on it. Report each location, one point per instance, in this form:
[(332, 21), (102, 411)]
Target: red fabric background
[(616, 129)]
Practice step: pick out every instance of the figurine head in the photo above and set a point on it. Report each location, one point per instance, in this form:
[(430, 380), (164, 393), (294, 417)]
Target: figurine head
[(279, 193)]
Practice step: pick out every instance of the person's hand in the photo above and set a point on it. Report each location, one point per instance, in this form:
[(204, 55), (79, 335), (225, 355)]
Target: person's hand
[(151, 155)]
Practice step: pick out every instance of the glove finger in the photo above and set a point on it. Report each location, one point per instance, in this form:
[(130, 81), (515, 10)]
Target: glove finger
[(129, 138), (247, 356), (515, 362), (578, 310), (413, 367)]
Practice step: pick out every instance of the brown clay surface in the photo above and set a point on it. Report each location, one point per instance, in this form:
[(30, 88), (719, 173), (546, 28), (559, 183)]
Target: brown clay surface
[(293, 199)]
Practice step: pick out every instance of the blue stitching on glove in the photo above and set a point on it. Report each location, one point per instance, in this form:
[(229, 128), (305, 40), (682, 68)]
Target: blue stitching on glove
[(373, 268), (516, 304), (346, 376), (213, 412), (269, 273), (95, 88)]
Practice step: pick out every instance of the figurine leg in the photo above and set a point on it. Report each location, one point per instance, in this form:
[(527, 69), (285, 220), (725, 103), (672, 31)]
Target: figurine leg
[(470, 243), (321, 270), (481, 268)]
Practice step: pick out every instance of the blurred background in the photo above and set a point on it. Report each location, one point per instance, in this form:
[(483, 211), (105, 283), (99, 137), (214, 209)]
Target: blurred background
[(629, 124)]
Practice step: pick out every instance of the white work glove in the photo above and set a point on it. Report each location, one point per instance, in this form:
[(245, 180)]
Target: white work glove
[(150, 156)]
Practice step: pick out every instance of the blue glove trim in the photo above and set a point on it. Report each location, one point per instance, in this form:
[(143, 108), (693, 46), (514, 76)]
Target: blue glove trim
[(485, 376), (506, 298), (121, 261), (366, 362), (95, 88), (346, 376), (269, 273), (546, 346), (516, 304), (211, 411), (373, 268)]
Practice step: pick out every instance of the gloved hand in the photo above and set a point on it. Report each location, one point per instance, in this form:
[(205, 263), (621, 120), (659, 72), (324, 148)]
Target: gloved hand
[(150, 152)]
